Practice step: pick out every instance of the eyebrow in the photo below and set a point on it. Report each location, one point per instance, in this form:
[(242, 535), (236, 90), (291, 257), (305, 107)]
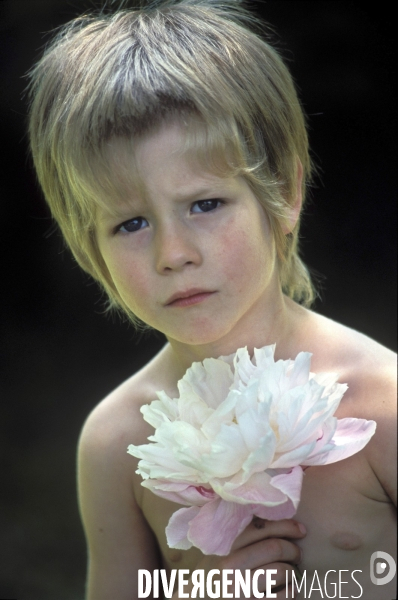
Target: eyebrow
[(220, 187), (105, 215), (196, 193), (180, 197)]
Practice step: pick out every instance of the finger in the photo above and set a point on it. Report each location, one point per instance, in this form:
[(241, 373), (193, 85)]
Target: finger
[(280, 594), (263, 553), (277, 581), (280, 579), (278, 550), (293, 584), (284, 587), (260, 529), (278, 586)]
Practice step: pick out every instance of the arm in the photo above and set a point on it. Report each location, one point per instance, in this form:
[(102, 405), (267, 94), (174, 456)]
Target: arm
[(118, 537), (382, 451)]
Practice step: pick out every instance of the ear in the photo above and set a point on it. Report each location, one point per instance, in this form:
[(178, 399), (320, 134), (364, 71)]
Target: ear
[(295, 208)]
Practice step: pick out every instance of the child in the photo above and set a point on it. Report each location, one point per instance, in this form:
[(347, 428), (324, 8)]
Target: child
[(172, 149)]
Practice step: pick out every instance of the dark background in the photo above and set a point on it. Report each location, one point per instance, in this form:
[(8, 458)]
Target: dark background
[(61, 355)]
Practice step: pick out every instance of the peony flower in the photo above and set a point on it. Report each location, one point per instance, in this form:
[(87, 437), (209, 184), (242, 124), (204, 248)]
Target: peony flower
[(234, 443)]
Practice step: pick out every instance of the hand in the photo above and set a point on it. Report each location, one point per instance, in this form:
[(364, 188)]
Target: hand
[(262, 545)]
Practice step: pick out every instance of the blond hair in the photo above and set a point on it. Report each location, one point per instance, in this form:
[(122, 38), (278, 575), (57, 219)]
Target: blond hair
[(121, 75)]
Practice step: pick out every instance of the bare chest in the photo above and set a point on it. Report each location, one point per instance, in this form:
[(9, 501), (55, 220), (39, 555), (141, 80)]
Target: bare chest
[(347, 519)]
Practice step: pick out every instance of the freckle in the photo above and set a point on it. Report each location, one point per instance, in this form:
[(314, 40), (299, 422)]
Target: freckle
[(346, 541), (175, 556)]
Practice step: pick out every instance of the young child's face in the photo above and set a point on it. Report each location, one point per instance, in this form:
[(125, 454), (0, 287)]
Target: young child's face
[(190, 253)]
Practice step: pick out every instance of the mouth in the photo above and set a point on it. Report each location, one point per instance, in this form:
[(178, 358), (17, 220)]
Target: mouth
[(188, 298)]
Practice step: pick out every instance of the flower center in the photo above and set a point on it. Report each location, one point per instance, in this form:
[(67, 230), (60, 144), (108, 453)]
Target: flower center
[(204, 491)]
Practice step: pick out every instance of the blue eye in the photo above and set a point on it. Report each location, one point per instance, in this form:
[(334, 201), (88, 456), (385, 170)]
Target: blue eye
[(202, 206), (132, 225)]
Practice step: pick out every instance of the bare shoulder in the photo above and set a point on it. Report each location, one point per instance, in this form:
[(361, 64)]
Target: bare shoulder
[(350, 353), (370, 370), (118, 417)]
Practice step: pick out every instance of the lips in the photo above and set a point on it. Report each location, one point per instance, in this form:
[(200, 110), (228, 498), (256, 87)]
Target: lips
[(188, 297)]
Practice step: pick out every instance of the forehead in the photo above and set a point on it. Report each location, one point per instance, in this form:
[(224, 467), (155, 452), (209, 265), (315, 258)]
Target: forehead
[(162, 160), (152, 157)]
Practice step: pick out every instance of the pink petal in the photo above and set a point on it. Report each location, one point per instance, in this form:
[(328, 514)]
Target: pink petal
[(274, 513), (182, 493), (217, 525), (290, 484), (350, 437), (177, 528)]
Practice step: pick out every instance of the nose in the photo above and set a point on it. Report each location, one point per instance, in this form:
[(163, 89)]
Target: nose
[(176, 248)]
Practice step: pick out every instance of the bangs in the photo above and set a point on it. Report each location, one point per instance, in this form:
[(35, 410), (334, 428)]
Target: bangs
[(102, 178)]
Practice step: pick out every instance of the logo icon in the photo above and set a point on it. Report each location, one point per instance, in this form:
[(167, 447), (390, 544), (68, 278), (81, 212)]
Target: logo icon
[(380, 568)]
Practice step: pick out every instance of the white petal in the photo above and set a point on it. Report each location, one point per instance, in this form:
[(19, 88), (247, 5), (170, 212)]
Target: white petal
[(260, 458), (257, 490), (301, 369), (210, 381), (160, 411), (228, 452)]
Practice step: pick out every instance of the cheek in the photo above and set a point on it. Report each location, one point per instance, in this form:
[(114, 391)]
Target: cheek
[(247, 255), (131, 280)]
